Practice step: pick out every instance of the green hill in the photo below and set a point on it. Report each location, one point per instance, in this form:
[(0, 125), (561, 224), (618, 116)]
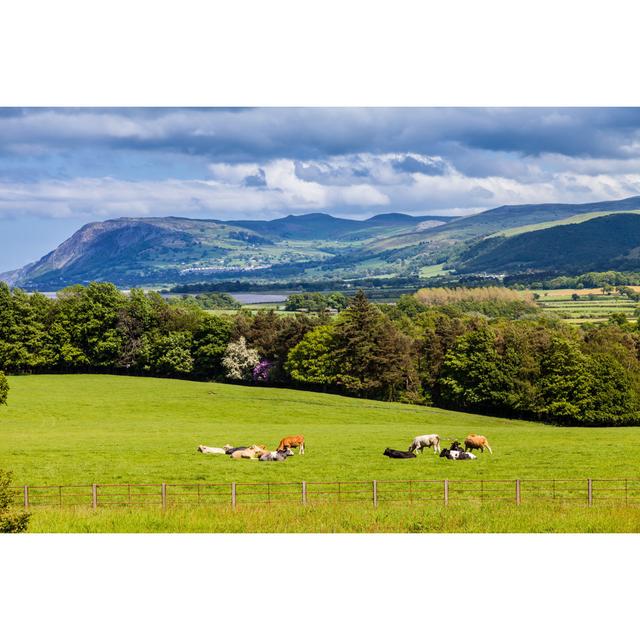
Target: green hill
[(602, 243)]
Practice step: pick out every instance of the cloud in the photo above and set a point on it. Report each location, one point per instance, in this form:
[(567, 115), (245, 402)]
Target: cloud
[(412, 163), (96, 163), (248, 135)]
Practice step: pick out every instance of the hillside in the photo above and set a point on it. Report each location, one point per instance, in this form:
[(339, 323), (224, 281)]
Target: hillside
[(501, 219), (599, 244), (131, 251), (316, 247)]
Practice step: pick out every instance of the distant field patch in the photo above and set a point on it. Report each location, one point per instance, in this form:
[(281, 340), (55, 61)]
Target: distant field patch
[(433, 270), (591, 305)]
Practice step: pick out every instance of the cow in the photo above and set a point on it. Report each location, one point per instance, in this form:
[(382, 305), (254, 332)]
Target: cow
[(234, 449), (455, 446), (456, 454), (292, 442), (252, 452), (472, 441), (394, 453), (421, 442), (276, 456), (204, 449)]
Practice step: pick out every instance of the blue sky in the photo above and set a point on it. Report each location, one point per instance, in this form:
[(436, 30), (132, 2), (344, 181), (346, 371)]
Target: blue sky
[(62, 168)]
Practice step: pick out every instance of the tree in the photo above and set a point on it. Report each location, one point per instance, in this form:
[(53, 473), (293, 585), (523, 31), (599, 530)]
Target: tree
[(239, 360), (171, 354), (4, 388), (210, 341), (362, 352), (312, 360), (11, 520), (566, 382)]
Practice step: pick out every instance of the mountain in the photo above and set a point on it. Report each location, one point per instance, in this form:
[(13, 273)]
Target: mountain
[(133, 251), (165, 251), (599, 244)]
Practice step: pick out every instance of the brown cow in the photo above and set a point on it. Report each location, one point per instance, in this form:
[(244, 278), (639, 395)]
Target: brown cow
[(472, 441), (292, 442)]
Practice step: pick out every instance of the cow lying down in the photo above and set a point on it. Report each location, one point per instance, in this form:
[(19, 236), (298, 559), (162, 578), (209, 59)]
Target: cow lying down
[(276, 456), (455, 454), (203, 448), (401, 455)]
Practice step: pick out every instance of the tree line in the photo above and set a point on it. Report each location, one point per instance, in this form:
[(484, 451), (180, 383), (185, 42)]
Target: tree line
[(496, 356)]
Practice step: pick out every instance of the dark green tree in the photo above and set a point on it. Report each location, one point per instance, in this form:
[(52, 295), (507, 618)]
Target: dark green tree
[(4, 388), (12, 520)]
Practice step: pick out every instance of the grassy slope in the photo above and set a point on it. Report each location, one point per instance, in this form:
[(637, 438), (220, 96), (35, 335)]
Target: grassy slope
[(87, 428), (582, 217)]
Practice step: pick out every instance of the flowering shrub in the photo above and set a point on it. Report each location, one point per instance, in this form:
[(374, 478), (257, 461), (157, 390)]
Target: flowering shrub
[(262, 370), (239, 360)]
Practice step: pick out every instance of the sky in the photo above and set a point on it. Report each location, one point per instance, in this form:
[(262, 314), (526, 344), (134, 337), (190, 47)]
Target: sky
[(61, 168)]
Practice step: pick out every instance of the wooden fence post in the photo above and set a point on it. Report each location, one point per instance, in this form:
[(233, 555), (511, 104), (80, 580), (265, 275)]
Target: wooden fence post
[(518, 501), (446, 493), (590, 491), (163, 491), (233, 495), (94, 496), (375, 493), (26, 496), (304, 492)]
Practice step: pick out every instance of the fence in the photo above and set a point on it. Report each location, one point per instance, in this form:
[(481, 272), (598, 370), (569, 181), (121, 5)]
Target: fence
[(375, 492)]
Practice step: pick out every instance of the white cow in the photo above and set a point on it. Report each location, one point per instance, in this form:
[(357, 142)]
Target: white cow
[(204, 449), (421, 442)]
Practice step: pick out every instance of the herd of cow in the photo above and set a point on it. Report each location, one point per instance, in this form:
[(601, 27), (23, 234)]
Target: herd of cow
[(454, 452), (286, 446), (259, 451)]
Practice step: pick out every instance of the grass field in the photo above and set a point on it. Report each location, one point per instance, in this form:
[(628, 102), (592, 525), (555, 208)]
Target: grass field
[(555, 518), (81, 429), (592, 306)]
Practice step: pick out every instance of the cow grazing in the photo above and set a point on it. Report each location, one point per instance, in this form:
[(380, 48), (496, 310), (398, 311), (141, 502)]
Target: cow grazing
[(292, 442), (204, 449), (472, 441), (401, 455), (424, 442)]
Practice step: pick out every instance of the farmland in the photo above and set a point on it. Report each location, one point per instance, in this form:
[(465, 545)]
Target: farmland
[(83, 429), (590, 306)]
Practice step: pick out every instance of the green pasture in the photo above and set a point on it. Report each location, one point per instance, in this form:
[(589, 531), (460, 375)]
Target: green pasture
[(344, 518), (82, 429), (433, 270), (584, 309)]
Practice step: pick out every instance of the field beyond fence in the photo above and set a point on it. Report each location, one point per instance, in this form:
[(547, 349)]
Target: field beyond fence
[(375, 492)]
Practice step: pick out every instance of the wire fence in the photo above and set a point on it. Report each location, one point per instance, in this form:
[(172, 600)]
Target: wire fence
[(590, 491)]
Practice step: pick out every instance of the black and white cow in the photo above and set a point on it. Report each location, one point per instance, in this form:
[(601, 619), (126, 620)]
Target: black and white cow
[(401, 455)]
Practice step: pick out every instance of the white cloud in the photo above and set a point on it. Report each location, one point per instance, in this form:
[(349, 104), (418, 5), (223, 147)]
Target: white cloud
[(351, 184)]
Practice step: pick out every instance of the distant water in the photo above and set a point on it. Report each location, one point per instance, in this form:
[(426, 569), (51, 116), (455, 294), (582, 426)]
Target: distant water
[(243, 298), (258, 298)]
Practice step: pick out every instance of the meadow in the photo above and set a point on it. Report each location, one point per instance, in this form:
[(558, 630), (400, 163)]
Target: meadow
[(592, 305), (84, 429)]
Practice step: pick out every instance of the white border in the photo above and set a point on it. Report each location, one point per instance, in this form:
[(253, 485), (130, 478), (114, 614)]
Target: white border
[(285, 52)]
